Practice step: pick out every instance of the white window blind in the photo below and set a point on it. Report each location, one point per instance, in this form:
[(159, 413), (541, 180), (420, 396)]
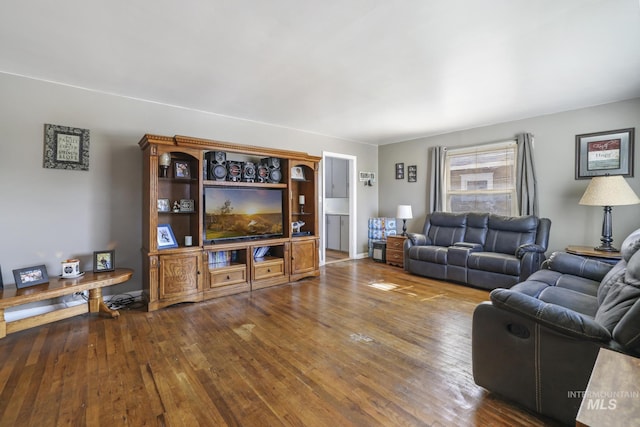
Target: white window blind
[(481, 179)]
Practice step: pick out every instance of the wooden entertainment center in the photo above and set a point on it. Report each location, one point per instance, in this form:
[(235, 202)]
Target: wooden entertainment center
[(210, 268)]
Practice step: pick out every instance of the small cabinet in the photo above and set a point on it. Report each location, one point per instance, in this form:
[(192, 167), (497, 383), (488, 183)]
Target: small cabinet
[(395, 250), (337, 178), (179, 278), (304, 258), (337, 232)]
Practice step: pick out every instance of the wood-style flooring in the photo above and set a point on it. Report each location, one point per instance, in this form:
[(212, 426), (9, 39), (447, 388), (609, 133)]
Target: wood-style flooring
[(364, 344)]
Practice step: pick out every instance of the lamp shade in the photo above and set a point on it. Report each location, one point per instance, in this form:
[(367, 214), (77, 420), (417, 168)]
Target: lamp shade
[(164, 159), (404, 212), (609, 191)]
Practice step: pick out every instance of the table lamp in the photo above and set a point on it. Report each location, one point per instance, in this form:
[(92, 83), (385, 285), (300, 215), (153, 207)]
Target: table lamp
[(608, 191), (404, 213), (164, 161)]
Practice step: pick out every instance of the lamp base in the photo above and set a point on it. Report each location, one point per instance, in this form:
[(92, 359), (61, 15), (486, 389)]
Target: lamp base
[(606, 238), (606, 249), (404, 227)]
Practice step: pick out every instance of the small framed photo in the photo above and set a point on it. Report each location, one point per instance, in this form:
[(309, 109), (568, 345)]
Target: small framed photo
[(66, 148), (166, 238), (163, 205), (297, 173), (187, 205), (104, 261), (399, 170), (605, 153), (181, 169), (412, 173), (30, 276)]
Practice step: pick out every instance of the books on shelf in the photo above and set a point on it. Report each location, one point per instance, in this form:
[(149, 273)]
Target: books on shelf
[(223, 257)]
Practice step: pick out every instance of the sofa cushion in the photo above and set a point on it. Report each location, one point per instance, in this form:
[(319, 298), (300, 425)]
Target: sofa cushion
[(433, 254), (506, 234), (621, 295), (576, 301), (494, 262), (476, 228), (446, 229)]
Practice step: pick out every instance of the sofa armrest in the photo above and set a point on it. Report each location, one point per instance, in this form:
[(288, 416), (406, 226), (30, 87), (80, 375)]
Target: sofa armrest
[(529, 247), (566, 263), (552, 316), (475, 247), (417, 239)]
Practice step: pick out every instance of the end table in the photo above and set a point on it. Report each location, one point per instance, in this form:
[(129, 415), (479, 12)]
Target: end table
[(395, 250)]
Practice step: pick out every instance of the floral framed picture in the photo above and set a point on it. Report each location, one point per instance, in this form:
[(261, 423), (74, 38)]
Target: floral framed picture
[(605, 153), (30, 276), (104, 261), (166, 238), (66, 148)]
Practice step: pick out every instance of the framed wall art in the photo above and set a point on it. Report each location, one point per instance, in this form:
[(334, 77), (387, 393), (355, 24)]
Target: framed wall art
[(412, 173), (30, 276), (166, 238), (104, 261), (605, 153), (399, 170), (66, 148)]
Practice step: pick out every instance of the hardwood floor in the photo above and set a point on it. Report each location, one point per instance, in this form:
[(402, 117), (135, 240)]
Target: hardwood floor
[(328, 351)]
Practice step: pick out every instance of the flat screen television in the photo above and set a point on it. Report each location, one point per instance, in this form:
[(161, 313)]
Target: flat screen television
[(242, 213)]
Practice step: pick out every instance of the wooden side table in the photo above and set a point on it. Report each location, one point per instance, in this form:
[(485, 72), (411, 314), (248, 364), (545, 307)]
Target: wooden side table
[(611, 397), (395, 250), (590, 252)]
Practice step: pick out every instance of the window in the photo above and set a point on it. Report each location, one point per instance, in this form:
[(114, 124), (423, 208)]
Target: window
[(481, 179)]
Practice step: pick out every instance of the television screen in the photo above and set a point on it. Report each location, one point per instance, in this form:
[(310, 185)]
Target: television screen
[(238, 212)]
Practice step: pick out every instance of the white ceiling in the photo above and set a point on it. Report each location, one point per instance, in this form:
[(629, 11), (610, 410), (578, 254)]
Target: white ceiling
[(375, 71)]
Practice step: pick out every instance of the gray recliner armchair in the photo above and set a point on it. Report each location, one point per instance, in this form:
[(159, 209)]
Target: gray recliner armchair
[(537, 342)]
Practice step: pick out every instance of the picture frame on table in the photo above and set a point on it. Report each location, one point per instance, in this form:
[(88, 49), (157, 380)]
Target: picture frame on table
[(30, 276), (166, 238), (104, 261), (164, 205), (605, 153), (297, 173), (181, 169)]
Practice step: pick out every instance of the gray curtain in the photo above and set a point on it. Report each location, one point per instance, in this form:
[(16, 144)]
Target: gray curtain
[(435, 186), (526, 183)]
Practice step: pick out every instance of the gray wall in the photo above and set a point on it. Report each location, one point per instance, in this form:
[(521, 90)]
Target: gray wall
[(50, 215), (555, 166)]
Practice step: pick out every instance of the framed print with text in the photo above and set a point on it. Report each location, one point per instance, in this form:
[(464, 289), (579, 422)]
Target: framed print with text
[(605, 153)]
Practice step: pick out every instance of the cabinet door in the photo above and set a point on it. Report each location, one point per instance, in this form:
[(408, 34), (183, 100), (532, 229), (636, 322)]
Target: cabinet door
[(344, 233), (304, 256), (340, 178), (333, 232), (179, 275)]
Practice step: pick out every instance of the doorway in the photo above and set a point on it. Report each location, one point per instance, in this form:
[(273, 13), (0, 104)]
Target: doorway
[(338, 208)]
